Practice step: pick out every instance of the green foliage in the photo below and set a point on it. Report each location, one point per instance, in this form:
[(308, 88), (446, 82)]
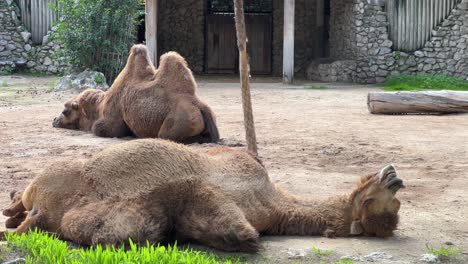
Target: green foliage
[(444, 252), (345, 261), (316, 87), (322, 254), (99, 79), (40, 247), (97, 34), (406, 82), (397, 55)]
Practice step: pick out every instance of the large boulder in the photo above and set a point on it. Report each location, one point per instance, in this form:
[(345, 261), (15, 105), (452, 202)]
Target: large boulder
[(86, 80)]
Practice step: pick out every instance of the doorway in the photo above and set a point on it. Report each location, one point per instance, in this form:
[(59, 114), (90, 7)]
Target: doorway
[(221, 55)]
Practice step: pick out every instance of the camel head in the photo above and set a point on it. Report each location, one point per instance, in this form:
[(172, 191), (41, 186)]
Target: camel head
[(374, 205), (79, 112), (70, 116)]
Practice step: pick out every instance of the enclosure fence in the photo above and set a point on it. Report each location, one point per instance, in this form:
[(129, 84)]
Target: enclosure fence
[(411, 21), (38, 17)]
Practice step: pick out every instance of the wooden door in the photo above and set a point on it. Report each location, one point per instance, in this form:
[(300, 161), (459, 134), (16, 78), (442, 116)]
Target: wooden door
[(221, 43)]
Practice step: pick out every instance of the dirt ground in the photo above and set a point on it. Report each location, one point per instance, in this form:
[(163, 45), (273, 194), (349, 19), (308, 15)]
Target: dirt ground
[(314, 142)]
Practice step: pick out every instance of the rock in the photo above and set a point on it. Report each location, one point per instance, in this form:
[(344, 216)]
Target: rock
[(47, 61), (419, 54), (10, 47), (377, 257), (15, 261), (52, 69), (45, 39), (372, 257), (26, 35), (430, 61), (296, 253), (21, 61), (427, 67), (27, 47), (31, 64), (384, 51), (85, 80), (387, 43), (429, 258), (5, 53), (65, 82)]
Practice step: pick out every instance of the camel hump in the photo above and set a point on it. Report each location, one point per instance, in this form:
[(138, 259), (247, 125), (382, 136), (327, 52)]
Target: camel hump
[(210, 123), (172, 58), (174, 74), (139, 49)]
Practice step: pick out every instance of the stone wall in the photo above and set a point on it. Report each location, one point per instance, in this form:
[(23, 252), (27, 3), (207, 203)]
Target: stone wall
[(12, 43), (306, 34), (345, 20), (277, 42), (17, 50), (181, 27), (370, 48)]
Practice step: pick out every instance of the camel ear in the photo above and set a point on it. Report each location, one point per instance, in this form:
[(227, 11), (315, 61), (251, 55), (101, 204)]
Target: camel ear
[(356, 228), (74, 105)]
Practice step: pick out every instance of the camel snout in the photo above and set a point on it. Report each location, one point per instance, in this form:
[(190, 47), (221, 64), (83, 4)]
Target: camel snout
[(56, 122), (389, 178)]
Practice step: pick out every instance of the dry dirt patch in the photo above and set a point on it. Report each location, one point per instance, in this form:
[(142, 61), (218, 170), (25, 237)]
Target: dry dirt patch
[(314, 142)]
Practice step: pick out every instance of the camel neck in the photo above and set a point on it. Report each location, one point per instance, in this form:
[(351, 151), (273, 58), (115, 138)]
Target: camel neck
[(304, 217)]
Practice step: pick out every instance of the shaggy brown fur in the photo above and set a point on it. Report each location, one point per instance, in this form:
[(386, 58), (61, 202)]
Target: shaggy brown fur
[(145, 102), (157, 190)]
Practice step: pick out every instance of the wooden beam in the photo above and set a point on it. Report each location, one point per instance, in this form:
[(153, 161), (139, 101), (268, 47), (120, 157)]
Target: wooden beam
[(288, 41), (244, 71), (429, 102), (151, 29)]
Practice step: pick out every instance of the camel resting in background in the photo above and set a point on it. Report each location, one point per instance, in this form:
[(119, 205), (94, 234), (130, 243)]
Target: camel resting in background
[(144, 102), (157, 190)]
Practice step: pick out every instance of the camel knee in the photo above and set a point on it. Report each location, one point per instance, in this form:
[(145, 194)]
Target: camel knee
[(15, 221), (14, 209), (101, 129)]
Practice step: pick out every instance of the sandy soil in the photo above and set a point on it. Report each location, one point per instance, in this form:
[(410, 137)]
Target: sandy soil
[(315, 142)]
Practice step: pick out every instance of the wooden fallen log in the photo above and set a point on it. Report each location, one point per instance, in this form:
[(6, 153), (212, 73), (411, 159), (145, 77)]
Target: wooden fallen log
[(429, 102)]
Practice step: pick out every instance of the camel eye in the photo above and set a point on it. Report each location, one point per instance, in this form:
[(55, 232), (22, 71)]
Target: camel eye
[(367, 202), (66, 112)]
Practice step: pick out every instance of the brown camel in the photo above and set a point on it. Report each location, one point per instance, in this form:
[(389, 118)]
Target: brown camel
[(157, 190), (144, 102)]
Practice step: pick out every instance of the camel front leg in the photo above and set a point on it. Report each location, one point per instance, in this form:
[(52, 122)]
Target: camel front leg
[(216, 222), (113, 223), (110, 128)]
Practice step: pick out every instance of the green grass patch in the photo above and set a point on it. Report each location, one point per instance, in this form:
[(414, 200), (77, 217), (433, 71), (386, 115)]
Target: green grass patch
[(323, 254), (444, 253), (40, 247), (407, 82), (3, 84), (315, 87), (345, 261)]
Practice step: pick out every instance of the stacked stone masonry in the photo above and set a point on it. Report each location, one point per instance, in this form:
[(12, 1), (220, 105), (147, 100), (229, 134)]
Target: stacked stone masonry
[(359, 34), (17, 50)]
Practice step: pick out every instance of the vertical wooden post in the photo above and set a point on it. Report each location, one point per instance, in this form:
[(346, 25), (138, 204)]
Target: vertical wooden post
[(244, 71), (151, 29), (288, 41)]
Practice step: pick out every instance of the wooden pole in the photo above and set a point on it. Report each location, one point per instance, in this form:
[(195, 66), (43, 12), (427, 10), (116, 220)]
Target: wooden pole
[(431, 102), (244, 71), (288, 42), (151, 29)]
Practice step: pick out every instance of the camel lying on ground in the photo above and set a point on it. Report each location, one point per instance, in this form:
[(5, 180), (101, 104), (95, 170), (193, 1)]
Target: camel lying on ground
[(144, 102), (158, 190)]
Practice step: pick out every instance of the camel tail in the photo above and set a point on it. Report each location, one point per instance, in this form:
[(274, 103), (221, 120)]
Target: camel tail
[(210, 123)]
